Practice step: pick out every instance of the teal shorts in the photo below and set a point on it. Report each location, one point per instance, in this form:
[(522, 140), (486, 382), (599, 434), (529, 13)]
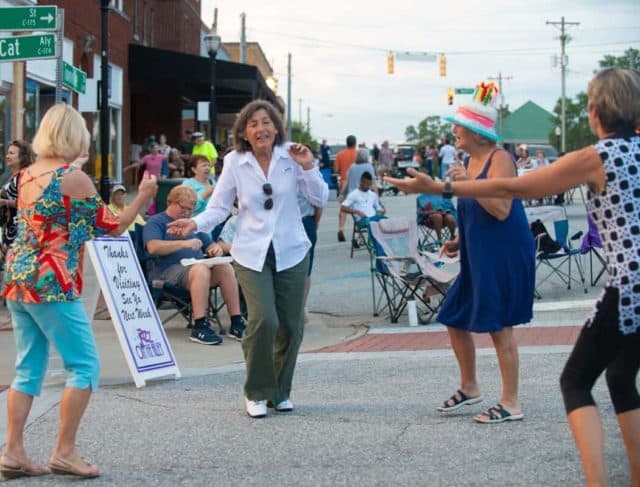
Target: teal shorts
[(64, 324)]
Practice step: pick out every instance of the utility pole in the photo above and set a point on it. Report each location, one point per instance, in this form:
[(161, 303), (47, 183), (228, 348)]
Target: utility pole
[(564, 37), (289, 96), (300, 118), (499, 79), (243, 38), (309, 120)]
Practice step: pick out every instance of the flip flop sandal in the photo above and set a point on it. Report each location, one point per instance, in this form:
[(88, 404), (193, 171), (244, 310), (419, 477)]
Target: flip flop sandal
[(25, 469), (457, 400), (74, 466), (497, 414)]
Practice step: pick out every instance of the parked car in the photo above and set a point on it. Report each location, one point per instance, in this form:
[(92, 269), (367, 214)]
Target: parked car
[(404, 157), (550, 153)]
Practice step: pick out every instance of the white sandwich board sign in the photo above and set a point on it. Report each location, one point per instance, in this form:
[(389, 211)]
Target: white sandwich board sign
[(134, 315)]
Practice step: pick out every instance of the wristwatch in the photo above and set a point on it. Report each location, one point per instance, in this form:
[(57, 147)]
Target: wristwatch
[(447, 191)]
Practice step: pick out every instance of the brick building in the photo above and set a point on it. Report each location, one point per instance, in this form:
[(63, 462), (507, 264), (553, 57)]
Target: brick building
[(159, 71)]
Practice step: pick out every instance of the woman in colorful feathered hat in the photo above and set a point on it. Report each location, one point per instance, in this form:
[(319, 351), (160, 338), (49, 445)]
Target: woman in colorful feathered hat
[(610, 339), (494, 290)]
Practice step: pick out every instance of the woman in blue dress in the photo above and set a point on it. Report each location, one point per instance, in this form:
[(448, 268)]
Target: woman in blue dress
[(495, 287), (610, 338)]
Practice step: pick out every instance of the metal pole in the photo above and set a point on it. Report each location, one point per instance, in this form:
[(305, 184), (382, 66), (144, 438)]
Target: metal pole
[(563, 71), (212, 98), (563, 40), (59, 48), (289, 96), (105, 183), (243, 38), (501, 94)]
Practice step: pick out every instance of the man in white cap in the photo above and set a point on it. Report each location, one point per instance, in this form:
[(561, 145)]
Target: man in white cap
[(117, 205)]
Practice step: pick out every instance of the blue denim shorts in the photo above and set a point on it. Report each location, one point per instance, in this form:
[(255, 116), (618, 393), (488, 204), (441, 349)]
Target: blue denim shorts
[(64, 324)]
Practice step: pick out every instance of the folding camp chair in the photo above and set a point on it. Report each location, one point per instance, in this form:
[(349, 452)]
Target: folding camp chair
[(402, 273), (558, 264), (359, 237), (590, 244), (178, 298), (426, 206)]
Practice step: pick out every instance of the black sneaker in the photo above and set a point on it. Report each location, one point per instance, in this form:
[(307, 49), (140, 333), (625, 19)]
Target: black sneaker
[(236, 330), (205, 336)]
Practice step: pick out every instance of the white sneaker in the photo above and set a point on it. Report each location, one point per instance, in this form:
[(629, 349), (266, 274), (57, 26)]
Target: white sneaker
[(256, 409), (284, 406)]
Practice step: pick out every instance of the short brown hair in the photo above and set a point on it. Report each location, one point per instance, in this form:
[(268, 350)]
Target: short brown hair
[(181, 193), (193, 162), (241, 144), (614, 94)]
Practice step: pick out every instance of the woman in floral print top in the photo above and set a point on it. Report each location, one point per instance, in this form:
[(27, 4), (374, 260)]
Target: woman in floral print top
[(58, 211)]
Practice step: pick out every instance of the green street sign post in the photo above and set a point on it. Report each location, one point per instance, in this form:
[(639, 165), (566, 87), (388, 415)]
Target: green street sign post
[(37, 46), (28, 18), (74, 78), (464, 91)]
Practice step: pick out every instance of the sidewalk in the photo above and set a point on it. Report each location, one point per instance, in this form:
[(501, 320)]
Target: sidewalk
[(192, 358)]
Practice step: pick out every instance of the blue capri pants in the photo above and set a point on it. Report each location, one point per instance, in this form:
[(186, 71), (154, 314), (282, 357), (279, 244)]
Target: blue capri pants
[(64, 324)]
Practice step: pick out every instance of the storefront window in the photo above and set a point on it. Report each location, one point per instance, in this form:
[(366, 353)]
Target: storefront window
[(38, 99)]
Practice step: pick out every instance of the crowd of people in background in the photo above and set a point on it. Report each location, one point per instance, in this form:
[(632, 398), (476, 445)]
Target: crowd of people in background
[(277, 186)]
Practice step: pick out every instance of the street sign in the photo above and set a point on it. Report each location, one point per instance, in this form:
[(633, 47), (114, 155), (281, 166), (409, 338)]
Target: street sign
[(74, 78), (37, 46), (415, 56), (28, 18), (464, 91)]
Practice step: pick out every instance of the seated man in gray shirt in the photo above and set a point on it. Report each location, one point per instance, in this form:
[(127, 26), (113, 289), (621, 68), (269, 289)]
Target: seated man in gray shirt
[(197, 278)]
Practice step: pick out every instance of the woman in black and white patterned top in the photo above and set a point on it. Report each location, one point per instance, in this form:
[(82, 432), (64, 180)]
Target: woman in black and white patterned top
[(610, 338), (19, 155)]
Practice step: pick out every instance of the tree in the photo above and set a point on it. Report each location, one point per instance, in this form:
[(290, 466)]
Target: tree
[(428, 131), (576, 123), (299, 134), (576, 116), (629, 60)]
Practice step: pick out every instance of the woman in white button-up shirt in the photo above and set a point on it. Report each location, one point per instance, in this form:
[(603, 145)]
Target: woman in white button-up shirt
[(270, 246)]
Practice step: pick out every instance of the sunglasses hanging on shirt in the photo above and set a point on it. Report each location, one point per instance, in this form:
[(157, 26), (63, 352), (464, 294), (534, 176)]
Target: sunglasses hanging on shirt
[(268, 191)]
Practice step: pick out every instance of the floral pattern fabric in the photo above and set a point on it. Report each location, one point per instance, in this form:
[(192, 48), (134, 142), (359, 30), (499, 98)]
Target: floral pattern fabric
[(45, 261)]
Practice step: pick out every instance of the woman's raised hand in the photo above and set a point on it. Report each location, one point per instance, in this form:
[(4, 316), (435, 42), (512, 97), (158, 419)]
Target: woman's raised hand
[(302, 155), (148, 186), (181, 227), (419, 182), (457, 172)]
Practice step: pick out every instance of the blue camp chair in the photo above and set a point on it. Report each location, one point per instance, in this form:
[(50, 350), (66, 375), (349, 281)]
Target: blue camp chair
[(561, 264), (426, 205), (176, 297), (402, 273)]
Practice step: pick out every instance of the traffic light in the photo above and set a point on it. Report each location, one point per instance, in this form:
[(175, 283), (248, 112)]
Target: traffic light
[(390, 63), (450, 96), (442, 63)]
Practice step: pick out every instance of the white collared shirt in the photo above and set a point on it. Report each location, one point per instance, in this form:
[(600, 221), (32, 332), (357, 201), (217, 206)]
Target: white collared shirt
[(257, 227)]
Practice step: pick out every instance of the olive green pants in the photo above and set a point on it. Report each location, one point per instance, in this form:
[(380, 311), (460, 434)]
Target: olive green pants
[(275, 304)]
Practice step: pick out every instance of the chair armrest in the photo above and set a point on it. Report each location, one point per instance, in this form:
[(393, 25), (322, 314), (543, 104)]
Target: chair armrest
[(398, 259)]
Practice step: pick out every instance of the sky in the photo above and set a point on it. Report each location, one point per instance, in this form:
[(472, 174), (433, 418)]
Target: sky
[(339, 54)]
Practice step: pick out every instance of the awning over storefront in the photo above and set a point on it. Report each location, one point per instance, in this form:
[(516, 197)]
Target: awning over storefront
[(236, 84)]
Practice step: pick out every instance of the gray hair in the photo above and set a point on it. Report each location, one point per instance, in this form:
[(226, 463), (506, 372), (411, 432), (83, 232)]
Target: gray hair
[(362, 156)]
